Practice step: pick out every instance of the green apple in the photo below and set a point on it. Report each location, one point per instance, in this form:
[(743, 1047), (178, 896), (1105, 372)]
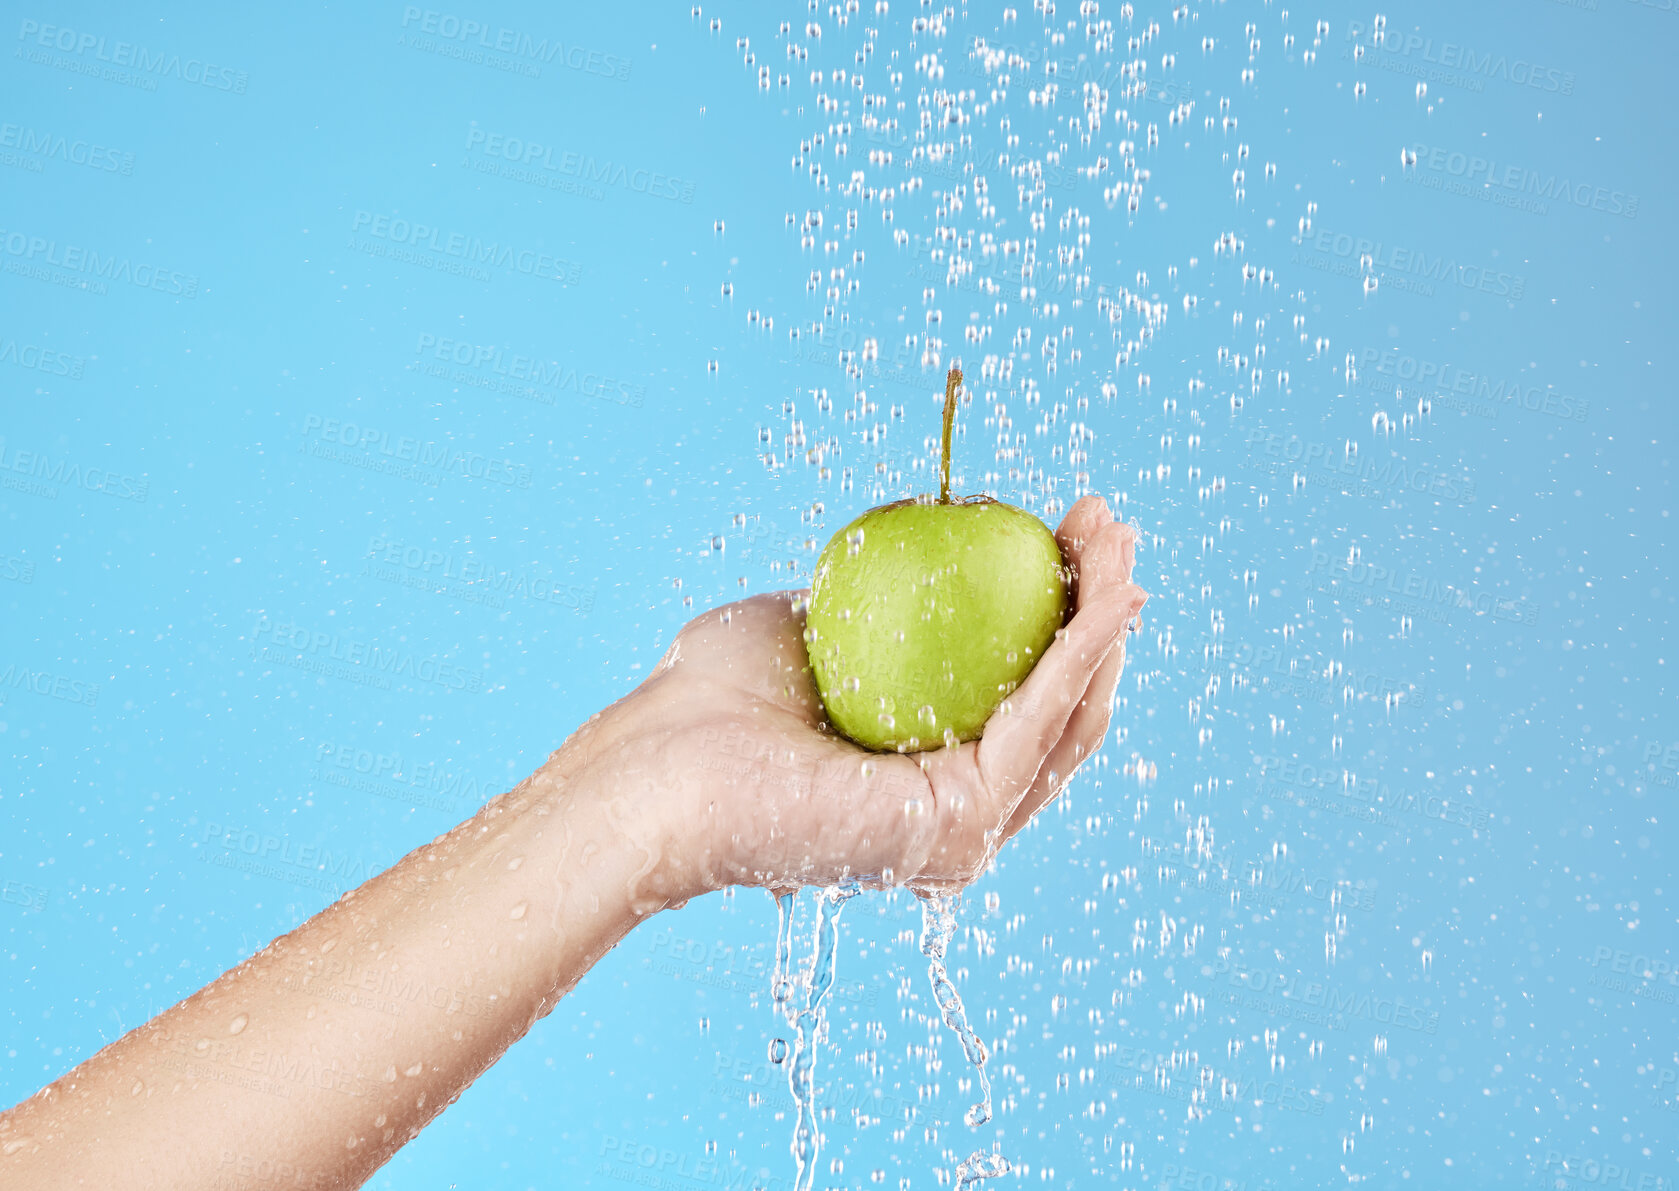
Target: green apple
[(925, 614)]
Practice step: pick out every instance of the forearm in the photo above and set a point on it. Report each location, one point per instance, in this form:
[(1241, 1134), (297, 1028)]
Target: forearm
[(331, 1048)]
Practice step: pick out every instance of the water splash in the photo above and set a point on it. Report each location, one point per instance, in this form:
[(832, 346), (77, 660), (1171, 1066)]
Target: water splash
[(807, 1022), (979, 1165), (938, 927)]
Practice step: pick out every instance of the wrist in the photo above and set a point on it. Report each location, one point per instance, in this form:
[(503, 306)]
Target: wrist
[(610, 784)]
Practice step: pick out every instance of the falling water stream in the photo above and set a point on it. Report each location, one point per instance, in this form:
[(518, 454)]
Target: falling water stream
[(938, 927), (807, 1022)]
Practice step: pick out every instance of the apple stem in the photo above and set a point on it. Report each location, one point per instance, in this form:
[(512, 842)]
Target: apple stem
[(952, 382)]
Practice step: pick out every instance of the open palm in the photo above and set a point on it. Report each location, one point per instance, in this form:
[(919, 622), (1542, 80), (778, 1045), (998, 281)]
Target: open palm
[(754, 787)]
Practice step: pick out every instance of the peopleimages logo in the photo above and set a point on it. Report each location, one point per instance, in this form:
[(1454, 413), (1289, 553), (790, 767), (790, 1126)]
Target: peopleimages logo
[(1411, 592), (546, 377), (147, 64), (316, 651), (583, 168), (1138, 1069), (37, 474), (665, 1169), (22, 893), (49, 685), (1619, 970), (1506, 184), (277, 855), (16, 570), (455, 252), (1459, 387), (72, 150), (1565, 1172), (458, 33), (1410, 269), (41, 359), (403, 455), (33, 254), (1272, 453), (1662, 762), (1289, 994), (1456, 65), (442, 571), (1335, 677), (1332, 786), (425, 781)]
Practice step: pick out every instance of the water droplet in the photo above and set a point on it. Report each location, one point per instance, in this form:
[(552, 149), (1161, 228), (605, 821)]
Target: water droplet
[(238, 1024), (518, 911)]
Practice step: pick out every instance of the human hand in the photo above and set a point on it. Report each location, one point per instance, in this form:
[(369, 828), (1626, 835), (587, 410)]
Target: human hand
[(718, 770), (723, 769)]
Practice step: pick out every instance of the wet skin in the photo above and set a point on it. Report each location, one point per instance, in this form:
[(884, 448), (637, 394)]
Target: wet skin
[(718, 770)]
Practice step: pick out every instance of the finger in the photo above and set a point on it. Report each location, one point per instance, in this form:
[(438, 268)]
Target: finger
[(1109, 567), (1079, 527), (1086, 729), (1129, 556), (1032, 720), (1088, 721)]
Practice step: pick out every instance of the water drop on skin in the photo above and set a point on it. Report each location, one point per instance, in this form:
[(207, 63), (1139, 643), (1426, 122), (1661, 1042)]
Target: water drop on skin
[(238, 1024), (518, 911)]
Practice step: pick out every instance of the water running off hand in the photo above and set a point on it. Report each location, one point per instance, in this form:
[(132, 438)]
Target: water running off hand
[(806, 1022), (938, 927)]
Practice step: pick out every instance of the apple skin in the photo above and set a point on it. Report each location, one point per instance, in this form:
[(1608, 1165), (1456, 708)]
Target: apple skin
[(923, 617)]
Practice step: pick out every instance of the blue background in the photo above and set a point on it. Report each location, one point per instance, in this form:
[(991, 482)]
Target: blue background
[(1372, 879)]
